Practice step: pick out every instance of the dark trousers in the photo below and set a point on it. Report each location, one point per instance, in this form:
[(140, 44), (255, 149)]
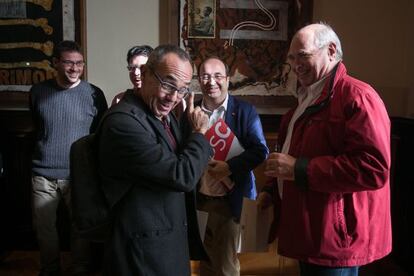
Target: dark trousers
[(307, 269)]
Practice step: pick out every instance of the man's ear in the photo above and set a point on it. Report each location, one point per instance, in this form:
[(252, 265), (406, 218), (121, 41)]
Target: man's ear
[(228, 81), (332, 51)]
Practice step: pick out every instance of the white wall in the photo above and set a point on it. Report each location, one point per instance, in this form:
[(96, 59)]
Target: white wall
[(112, 27)]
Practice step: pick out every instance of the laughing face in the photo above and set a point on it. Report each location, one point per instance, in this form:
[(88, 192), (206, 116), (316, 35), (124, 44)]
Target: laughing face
[(309, 62), (69, 68), (171, 70), (134, 67), (214, 82)]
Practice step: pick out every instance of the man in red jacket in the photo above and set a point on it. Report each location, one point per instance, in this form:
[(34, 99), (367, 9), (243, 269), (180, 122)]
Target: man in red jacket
[(334, 166)]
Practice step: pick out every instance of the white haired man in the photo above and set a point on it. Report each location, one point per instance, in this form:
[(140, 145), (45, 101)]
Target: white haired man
[(334, 169)]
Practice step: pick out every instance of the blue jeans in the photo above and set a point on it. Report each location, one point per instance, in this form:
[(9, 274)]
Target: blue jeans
[(307, 269), (47, 193)]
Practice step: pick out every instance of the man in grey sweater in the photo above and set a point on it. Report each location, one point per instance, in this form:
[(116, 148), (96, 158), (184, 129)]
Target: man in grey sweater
[(64, 109)]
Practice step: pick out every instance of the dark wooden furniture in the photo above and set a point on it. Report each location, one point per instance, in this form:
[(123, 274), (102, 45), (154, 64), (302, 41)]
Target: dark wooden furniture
[(16, 140), (402, 192)]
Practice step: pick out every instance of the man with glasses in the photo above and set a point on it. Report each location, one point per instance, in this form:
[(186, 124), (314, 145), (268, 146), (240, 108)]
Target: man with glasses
[(137, 56), (333, 170), (225, 183), (149, 171), (64, 109)]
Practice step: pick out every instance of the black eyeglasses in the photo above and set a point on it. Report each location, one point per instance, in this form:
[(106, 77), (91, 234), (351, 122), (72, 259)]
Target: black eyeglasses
[(70, 63), (170, 88), (216, 77)]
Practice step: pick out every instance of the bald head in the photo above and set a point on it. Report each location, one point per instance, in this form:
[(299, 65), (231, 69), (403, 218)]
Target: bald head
[(322, 35), (314, 52)]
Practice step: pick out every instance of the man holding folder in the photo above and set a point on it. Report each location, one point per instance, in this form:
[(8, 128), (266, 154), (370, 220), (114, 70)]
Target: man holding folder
[(236, 134)]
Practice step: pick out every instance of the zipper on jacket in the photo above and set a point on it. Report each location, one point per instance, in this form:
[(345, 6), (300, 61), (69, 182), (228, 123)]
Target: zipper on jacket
[(316, 107)]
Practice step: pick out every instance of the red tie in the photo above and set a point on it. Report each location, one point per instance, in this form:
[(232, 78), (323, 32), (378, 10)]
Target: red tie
[(169, 133)]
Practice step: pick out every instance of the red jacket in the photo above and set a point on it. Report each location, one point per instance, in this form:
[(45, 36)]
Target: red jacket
[(337, 211)]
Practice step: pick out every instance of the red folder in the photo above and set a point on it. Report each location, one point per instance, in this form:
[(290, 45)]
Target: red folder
[(225, 144)]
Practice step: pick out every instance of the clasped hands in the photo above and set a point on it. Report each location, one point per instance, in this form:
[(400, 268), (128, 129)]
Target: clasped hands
[(217, 172), (218, 169), (278, 165)]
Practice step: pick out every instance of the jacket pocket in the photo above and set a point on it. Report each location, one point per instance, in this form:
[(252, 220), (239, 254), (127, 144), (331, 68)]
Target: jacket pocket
[(161, 252), (341, 224)]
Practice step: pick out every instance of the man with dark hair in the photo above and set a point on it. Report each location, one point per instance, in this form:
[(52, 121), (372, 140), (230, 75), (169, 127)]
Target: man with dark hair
[(64, 109), (136, 57), (149, 172)]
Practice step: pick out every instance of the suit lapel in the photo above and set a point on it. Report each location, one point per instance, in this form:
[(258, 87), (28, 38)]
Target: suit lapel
[(139, 110), (175, 129), (231, 113), (159, 128), (151, 122)]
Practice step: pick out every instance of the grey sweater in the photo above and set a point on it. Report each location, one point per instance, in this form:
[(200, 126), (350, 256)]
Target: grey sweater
[(62, 116)]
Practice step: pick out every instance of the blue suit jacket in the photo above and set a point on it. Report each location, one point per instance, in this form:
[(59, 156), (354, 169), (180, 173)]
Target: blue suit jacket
[(244, 121)]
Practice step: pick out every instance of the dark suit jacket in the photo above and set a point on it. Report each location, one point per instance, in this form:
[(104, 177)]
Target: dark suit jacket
[(146, 182), (244, 121)]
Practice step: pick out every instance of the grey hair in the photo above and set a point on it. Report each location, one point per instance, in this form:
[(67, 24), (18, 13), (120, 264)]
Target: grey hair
[(325, 35)]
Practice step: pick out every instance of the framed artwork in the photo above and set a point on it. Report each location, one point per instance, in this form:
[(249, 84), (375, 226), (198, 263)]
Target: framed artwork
[(201, 19), (252, 37), (29, 31)]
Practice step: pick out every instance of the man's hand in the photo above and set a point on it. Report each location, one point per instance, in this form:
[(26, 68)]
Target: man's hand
[(280, 165), (215, 188), (197, 118), (218, 169)]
